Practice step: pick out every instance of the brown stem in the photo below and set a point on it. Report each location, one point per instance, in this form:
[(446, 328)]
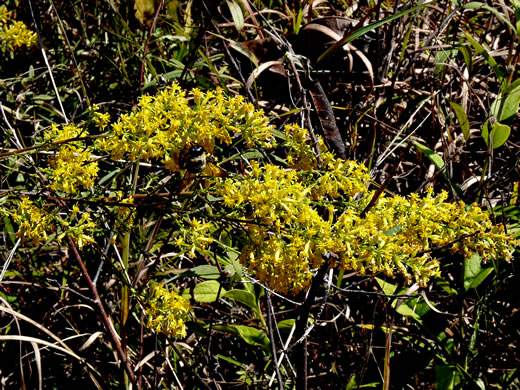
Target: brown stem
[(301, 325), (108, 325)]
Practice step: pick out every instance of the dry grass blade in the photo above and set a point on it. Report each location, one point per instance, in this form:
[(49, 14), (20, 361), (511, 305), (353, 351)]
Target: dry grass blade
[(90, 340), (258, 71), (38, 360), (29, 339)]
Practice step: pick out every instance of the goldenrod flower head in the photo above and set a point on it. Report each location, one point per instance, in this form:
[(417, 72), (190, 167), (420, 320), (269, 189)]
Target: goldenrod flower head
[(79, 226), (167, 311), (291, 221), (163, 126), (14, 34), (73, 166), (34, 223)]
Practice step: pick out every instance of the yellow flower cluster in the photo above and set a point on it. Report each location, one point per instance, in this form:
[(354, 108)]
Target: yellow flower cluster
[(78, 226), (14, 34), (196, 237), (36, 225), (287, 235), (163, 126), (167, 311), (293, 218), (73, 166)]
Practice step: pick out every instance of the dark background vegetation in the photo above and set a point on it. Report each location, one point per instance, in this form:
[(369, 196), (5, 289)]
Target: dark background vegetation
[(392, 106)]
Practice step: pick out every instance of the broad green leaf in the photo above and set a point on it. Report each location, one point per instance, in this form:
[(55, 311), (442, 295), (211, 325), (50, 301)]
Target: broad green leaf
[(462, 118), (445, 377), (441, 58), (403, 309), (206, 271), (471, 269), (393, 231), (498, 135), (474, 274), (250, 335), (285, 327), (435, 158), (236, 14), (506, 104), (388, 288), (407, 311), (234, 270), (206, 292), (242, 296), (512, 101)]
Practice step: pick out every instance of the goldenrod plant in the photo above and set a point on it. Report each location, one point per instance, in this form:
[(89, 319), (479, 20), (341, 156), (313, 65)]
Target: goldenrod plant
[(171, 216), (289, 216)]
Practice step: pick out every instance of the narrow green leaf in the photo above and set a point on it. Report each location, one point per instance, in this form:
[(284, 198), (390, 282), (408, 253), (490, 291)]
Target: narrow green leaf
[(466, 53), (363, 30), (498, 14), (435, 158), (206, 292), (236, 14), (490, 60), (462, 118), (244, 51)]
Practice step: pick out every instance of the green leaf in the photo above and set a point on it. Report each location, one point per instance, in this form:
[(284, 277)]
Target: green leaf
[(242, 296), (506, 105), (206, 292), (462, 118), (365, 29), (499, 135), (236, 14), (474, 275), (244, 51), (393, 231), (466, 53), (206, 271), (483, 52), (250, 335), (498, 14), (435, 158), (9, 229), (388, 288), (445, 377)]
